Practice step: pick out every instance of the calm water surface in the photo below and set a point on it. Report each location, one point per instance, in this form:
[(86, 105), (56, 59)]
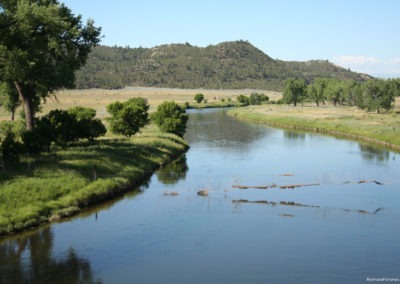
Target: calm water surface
[(340, 231)]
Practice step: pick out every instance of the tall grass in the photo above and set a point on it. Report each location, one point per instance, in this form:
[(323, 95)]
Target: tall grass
[(62, 183)]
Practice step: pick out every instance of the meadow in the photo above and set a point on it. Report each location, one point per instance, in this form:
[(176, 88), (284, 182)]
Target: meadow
[(63, 182), (348, 122)]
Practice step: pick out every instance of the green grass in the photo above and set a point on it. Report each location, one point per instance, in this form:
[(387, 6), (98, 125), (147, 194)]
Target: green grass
[(380, 129), (61, 183)]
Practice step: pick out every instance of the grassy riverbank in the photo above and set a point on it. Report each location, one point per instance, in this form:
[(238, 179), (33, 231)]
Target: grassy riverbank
[(60, 184), (352, 123)]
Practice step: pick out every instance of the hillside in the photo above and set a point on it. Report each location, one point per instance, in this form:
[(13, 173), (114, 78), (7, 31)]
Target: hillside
[(233, 65)]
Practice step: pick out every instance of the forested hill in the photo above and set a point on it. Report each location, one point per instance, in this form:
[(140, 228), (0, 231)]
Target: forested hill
[(233, 65)]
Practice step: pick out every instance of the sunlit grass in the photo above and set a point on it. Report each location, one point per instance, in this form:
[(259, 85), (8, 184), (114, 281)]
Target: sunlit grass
[(349, 122), (61, 183)]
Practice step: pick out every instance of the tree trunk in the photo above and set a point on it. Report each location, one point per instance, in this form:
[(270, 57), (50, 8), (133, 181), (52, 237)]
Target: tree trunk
[(26, 95)]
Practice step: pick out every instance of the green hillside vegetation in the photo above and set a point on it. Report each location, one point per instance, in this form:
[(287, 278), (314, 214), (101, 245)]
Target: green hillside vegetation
[(228, 65)]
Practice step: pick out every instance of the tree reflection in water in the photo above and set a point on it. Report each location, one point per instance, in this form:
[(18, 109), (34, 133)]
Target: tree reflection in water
[(372, 153), (173, 172), (28, 259)]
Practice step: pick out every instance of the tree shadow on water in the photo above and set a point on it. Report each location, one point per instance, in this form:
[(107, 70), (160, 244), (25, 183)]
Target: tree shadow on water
[(173, 172), (28, 259)]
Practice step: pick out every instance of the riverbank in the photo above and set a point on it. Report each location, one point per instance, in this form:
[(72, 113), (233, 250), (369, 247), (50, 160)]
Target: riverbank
[(62, 183), (347, 122)]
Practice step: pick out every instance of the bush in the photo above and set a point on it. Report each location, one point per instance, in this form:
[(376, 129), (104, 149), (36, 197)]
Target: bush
[(11, 149), (127, 118), (39, 139), (171, 118), (243, 100), (87, 127), (199, 98), (257, 99)]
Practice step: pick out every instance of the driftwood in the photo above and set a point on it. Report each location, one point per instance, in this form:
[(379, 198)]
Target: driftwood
[(171, 193), (365, 181), (203, 192), (292, 203), (282, 203), (289, 186)]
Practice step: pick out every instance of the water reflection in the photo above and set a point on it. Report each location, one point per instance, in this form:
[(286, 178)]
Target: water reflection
[(29, 259), (372, 153), (173, 172), (216, 128), (290, 135)]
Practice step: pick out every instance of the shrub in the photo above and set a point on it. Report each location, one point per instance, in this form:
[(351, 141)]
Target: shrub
[(199, 98), (11, 149), (243, 100), (127, 118), (171, 118)]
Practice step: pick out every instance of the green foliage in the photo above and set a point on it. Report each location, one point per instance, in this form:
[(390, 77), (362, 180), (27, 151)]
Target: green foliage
[(378, 94), (42, 44), (11, 149), (129, 117), (229, 65), (199, 98), (62, 127), (9, 98), (243, 100), (295, 91), (171, 118), (82, 113), (317, 90), (86, 125), (258, 99)]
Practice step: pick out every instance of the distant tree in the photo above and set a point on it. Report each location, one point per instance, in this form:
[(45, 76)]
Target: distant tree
[(171, 117), (352, 92), (199, 98), (378, 94), (9, 98), (42, 44), (258, 99), (335, 92), (127, 118), (317, 90), (295, 91), (243, 100)]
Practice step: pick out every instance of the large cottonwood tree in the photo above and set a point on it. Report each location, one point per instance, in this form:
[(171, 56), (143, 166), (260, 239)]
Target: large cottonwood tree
[(42, 44)]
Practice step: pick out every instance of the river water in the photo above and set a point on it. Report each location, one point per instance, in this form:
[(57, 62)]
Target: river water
[(340, 225)]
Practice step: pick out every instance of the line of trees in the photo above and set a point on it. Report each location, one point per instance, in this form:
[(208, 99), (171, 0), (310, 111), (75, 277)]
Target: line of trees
[(372, 95)]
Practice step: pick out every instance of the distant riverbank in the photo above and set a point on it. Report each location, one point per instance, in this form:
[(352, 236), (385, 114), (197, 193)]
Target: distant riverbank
[(62, 183), (351, 123)]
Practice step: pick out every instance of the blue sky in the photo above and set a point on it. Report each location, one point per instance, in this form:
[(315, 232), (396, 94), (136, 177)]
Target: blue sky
[(363, 35)]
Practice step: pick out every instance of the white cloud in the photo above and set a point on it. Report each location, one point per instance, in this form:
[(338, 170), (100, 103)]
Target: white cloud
[(370, 65)]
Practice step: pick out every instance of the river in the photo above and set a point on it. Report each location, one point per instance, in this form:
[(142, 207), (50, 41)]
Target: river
[(325, 210)]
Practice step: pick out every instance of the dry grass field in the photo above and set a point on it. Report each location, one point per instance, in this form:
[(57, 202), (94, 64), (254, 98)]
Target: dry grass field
[(99, 98)]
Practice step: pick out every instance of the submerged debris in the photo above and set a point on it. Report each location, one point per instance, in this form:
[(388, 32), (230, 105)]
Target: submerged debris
[(292, 203), (273, 185), (287, 215), (203, 192), (282, 203), (171, 193), (365, 181)]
